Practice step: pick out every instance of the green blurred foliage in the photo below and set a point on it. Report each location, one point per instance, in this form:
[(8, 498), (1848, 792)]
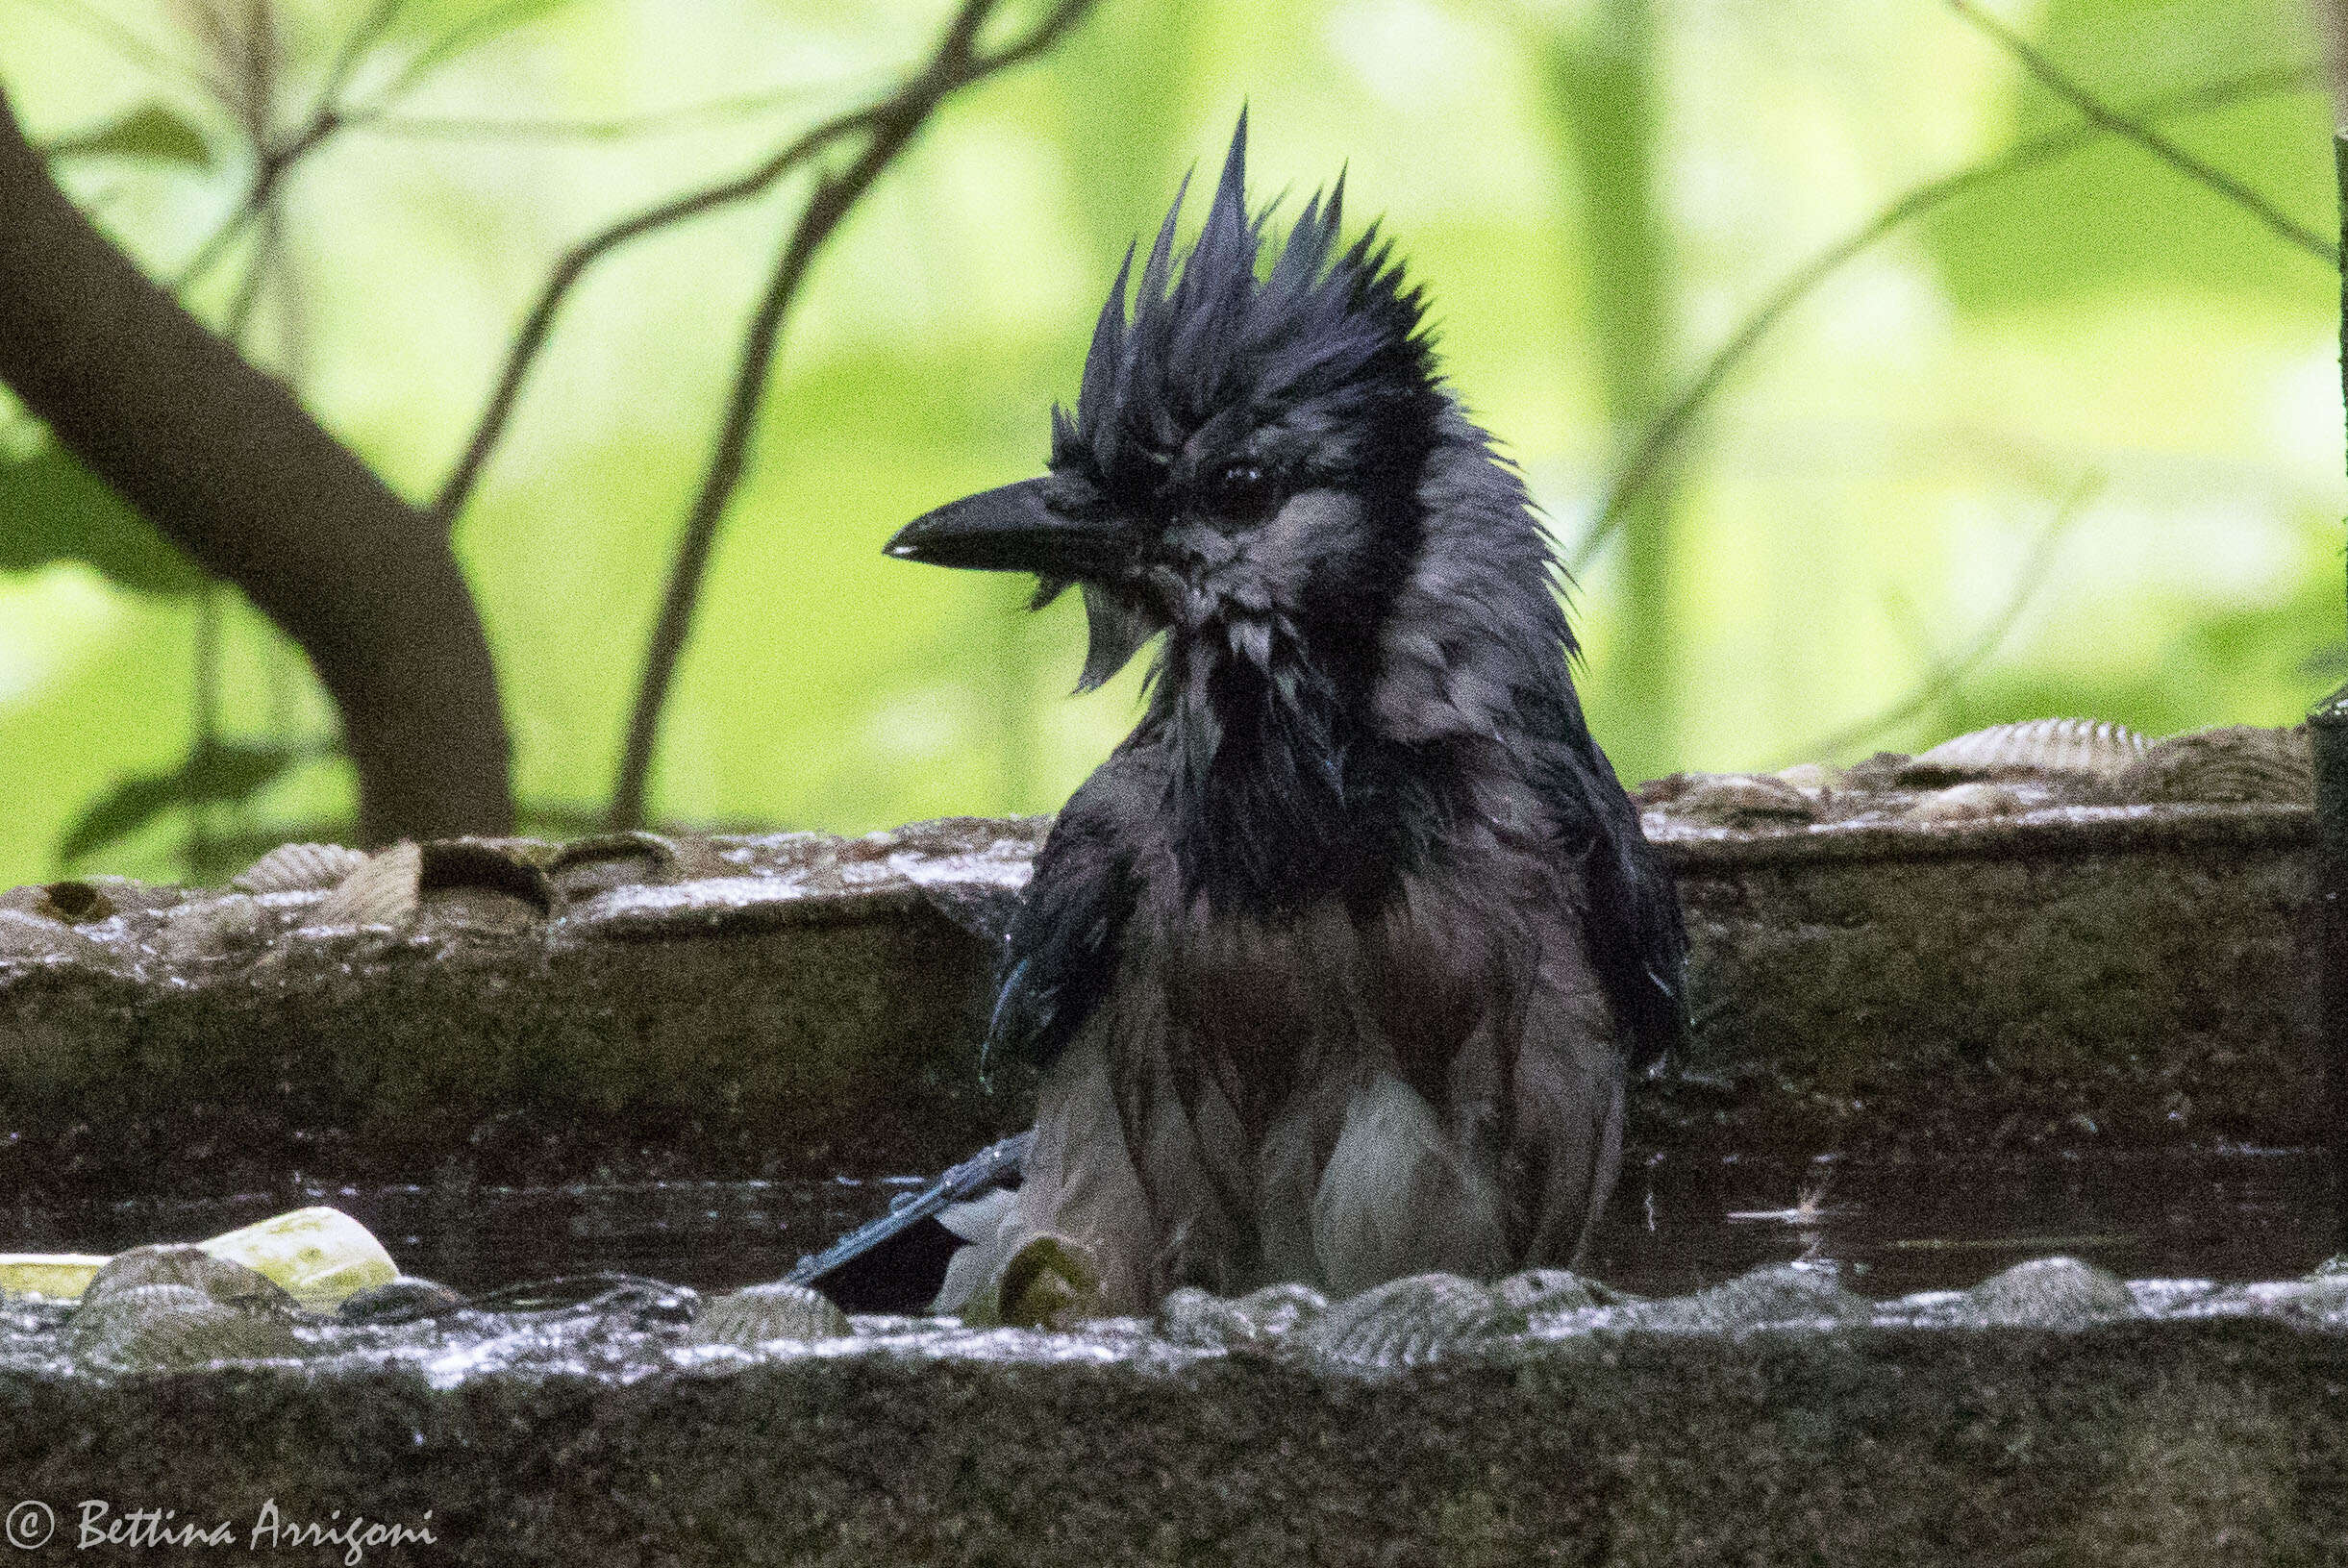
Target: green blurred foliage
[(150, 132), (230, 773), (1862, 498), (2113, 217), (57, 511)]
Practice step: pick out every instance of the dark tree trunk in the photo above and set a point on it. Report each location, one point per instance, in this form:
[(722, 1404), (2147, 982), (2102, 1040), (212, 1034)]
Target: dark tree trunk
[(224, 461)]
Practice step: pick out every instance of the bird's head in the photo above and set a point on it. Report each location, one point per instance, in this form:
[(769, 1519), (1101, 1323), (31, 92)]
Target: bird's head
[(1246, 443)]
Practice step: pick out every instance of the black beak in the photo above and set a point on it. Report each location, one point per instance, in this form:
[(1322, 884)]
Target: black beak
[(1012, 529)]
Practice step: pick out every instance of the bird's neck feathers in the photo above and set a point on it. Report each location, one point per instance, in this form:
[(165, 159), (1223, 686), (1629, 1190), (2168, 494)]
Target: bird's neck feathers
[(1265, 792), (1308, 751), (1318, 757)]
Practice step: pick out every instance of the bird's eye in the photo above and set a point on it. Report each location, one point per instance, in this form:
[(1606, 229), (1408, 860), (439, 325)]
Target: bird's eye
[(1242, 492)]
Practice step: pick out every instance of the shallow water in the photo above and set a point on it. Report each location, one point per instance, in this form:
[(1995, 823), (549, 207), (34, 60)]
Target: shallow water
[(1687, 1249), (634, 1329), (1675, 1226), (2226, 1215)]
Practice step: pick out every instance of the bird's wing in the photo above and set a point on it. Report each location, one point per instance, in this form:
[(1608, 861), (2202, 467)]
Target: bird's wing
[(1064, 941), (1636, 937), (1476, 648)]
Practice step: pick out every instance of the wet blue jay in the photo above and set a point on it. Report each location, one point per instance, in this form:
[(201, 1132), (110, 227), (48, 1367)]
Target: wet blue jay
[(1336, 968)]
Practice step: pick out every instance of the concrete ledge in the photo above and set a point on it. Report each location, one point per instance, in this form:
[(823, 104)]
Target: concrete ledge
[(2185, 1443), (794, 1003), (802, 1004), (2144, 973), (2056, 832)]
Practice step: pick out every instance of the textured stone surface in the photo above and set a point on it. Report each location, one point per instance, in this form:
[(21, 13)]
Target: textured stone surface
[(2139, 974), (1865, 980), (806, 1008), (2142, 1444)]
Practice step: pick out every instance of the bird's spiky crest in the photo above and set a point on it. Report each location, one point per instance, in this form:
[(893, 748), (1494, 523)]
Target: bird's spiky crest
[(1212, 336)]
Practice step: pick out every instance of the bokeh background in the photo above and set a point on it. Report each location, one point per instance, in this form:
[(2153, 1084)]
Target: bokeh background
[(2068, 443)]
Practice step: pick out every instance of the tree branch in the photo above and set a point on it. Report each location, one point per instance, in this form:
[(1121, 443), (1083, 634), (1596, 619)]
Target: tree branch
[(614, 128), (228, 465), (275, 156), (2128, 129), (537, 327), (572, 265), (136, 50), (465, 37), (1663, 435), (890, 126)]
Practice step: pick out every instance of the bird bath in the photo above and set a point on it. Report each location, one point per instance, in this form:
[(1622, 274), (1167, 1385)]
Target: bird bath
[(1934, 1041)]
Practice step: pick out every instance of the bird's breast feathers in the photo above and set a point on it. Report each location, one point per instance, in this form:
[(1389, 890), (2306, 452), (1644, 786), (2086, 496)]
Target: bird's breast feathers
[(1452, 953)]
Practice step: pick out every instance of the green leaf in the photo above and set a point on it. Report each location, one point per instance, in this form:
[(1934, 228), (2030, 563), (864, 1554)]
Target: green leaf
[(54, 508), (2115, 216), (149, 131), (226, 773)]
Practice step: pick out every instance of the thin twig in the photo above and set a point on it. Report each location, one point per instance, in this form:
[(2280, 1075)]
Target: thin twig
[(2152, 141), (138, 50), (893, 124), (248, 68), (616, 128), (574, 262), (271, 165), (462, 36), (292, 310), (1940, 682), (353, 54), (251, 57), (274, 159), (205, 698), (573, 265), (1663, 434), (217, 243), (247, 297)]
